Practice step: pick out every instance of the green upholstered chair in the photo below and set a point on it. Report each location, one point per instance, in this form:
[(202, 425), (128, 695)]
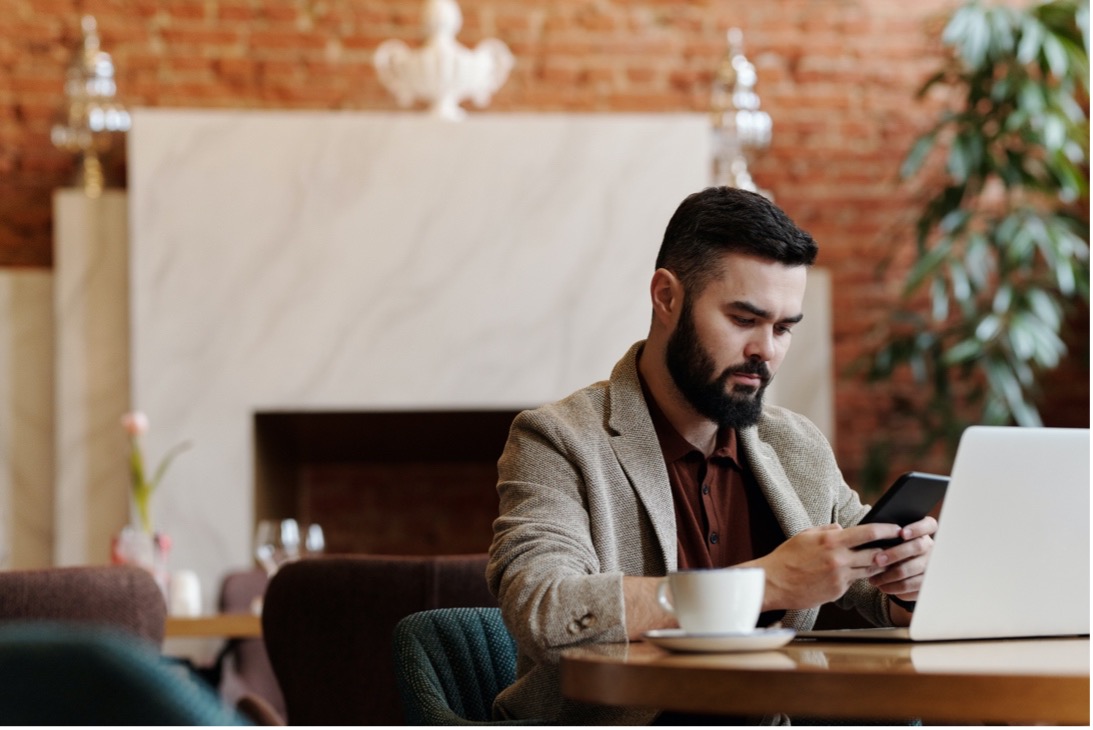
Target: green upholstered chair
[(72, 674), (450, 663)]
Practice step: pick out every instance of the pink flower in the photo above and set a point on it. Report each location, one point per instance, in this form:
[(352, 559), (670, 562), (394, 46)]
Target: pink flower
[(135, 423)]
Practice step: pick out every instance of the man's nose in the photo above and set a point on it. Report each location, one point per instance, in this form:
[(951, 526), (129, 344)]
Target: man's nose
[(760, 345)]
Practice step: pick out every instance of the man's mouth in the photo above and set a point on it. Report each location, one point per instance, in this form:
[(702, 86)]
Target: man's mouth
[(749, 379)]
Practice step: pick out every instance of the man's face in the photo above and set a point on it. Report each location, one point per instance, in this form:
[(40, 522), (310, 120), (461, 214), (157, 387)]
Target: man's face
[(732, 337)]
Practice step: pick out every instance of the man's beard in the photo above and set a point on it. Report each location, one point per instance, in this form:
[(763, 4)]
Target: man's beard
[(693, 371)]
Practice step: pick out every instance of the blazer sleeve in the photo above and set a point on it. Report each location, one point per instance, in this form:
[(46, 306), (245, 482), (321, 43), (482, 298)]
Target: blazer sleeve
[(544, 568)]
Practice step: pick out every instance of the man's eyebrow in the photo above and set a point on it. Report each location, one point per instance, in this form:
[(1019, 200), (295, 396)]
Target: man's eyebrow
[(762, 313)]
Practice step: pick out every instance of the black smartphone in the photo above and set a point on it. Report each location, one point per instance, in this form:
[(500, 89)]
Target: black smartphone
[(909, 499)]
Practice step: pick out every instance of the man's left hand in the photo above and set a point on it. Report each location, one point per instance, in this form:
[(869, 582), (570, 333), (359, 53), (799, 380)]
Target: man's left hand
[(905, 564)]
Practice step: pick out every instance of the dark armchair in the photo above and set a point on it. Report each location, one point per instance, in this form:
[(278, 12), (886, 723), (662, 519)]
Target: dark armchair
[(328, 625)]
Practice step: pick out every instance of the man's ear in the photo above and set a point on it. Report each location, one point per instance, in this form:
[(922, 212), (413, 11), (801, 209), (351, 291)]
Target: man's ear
[(666, 292)]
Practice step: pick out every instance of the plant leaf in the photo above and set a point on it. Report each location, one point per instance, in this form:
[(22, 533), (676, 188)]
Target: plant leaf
[(1023, 342), (988, 328), (167, 459), (977, 258), (927, 265), (1045, 307), (1055, 129), (1055, 55), (939, 295), (1002, 299), (1064, 277), (976, 38), (965, 351), (1032, 37), (913, 162)]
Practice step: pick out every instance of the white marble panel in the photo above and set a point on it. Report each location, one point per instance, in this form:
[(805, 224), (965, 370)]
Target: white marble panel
[(92, 372), (805, 383), (26, 418), (355, 261)]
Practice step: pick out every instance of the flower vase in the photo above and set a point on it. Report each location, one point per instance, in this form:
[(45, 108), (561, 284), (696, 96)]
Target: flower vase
[(134, 546)]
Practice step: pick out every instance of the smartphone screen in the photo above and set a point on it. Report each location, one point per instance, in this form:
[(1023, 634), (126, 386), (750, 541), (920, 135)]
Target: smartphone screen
[(910, 498)]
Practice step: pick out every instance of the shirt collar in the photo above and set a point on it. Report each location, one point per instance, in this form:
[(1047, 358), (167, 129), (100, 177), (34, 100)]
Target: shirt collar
[(672, 445)]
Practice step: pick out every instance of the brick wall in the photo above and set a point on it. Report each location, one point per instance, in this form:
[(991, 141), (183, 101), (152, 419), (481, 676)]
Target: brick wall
[(837, 76)]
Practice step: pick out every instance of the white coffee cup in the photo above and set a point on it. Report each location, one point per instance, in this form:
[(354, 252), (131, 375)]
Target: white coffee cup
[(714, 601), (184, 594)]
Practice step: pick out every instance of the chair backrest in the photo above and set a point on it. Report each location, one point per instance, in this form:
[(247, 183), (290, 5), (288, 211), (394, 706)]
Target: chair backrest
[(64, 674), (451, 663), (120, 596), (328, 624)]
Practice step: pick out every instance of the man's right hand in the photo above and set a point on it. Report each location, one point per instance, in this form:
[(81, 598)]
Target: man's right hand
[(819, 564)]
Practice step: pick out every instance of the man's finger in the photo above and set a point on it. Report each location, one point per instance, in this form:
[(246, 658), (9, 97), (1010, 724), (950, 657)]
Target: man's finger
[(925, 526), (863, 534), (904, 551)]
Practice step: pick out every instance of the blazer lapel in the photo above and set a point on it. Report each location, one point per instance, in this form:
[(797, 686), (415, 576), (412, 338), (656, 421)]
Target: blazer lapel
[(783, 501), (635, 444), (776, 487)]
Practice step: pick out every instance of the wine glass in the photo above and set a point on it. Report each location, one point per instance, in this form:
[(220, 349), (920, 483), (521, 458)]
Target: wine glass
[(276, 542), (314, 540)]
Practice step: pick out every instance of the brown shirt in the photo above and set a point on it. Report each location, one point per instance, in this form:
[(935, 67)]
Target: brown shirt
[(722, 517)]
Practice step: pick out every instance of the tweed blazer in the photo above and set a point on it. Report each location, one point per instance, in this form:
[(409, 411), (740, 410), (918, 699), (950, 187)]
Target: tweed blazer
[(585, 500)]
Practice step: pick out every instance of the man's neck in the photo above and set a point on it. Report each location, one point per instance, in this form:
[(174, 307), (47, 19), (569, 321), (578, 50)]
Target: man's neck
[(698, 430)]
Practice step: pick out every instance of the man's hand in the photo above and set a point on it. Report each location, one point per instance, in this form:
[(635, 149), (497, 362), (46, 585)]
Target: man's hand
[(904, 565), (819, 564)]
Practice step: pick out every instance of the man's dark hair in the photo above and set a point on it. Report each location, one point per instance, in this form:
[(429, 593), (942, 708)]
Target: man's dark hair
[(721, 220)]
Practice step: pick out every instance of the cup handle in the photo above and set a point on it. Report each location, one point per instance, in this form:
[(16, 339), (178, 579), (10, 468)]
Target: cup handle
[(662, 597)]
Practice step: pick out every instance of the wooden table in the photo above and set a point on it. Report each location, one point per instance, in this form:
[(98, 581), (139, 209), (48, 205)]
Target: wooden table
[(217, 626), (1016, 681)]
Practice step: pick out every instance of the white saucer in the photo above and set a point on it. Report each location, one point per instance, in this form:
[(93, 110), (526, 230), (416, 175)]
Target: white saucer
[(757, 640)]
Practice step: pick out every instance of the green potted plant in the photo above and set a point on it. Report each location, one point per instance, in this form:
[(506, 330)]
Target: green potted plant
[(1002, 240)]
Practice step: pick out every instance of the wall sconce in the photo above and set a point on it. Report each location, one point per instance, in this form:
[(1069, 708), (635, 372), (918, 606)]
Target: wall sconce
[(739, 127), (91, 119)]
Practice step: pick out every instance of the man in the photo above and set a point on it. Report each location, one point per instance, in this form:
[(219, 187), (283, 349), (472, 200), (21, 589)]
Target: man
[(675, 462)]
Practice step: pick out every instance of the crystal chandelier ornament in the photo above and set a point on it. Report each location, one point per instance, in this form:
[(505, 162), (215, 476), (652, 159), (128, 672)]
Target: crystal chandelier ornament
[(92, 118), (739, 127), (443, 72)]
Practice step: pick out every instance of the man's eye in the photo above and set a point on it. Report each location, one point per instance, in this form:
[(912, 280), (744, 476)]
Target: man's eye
[(783, 329), (743, 321)]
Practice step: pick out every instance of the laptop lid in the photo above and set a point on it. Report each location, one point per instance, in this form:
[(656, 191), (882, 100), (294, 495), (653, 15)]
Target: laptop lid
[(1011, 554)]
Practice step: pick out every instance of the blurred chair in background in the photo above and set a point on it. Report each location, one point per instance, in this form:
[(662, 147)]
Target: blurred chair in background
[(451, 663), (328, 625), (119, 596), (79, 674), (245, 671)]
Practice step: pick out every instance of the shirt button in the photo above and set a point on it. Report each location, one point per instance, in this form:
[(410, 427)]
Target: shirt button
[(714, 538), (705, 488)]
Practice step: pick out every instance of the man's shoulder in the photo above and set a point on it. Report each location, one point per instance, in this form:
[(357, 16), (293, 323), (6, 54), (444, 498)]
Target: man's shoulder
[(590, 407), (779, 424), (583, 407)]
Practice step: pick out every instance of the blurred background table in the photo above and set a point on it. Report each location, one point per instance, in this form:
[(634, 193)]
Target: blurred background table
[(216, 626)]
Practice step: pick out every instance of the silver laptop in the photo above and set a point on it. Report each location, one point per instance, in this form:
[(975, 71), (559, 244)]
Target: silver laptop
[(1011, 554)]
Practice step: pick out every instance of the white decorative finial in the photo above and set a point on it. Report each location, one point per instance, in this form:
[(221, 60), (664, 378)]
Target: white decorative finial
[(92, 117), (740, 127), (443, 72)]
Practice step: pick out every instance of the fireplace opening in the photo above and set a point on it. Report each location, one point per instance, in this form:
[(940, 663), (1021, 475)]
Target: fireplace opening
[(406, 483)]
